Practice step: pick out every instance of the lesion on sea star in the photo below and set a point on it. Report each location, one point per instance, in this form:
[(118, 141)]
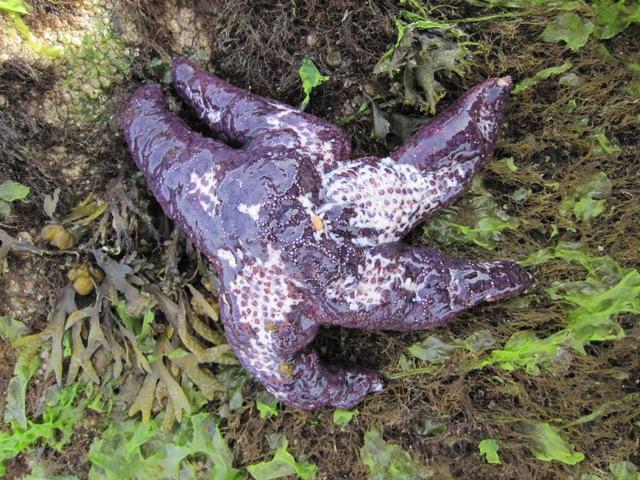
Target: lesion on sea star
[(301, 235)]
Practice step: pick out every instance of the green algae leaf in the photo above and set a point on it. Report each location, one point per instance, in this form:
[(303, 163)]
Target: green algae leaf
[(407, 369), (5, 208), (342, 417), (267, 405), (547, 443), (592, 319), (614, 16), (39, 472), (476, 218), (489, 449), (61, 415), (15, 6), (569, 80), (608, 290), (606, 408), (488, 230), (540, 76), (12, 329), (588, 207), (525, 350), (281, 465), (266, 410), (388, 461), (432, 350), (570, 28), (11, 191), (311, 78), (27, 364), (436, 351), (117, 453), (588, 200), (64, 410), (208, 440), (478, 341), (604, 145), (131, 449), (571, 252), (624, 471), (521, 194), (510, 165)]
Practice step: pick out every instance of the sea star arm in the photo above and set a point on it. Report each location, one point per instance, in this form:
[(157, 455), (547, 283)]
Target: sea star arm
[(381, 200), (270, 320), (404, 287), (257, 123), (169, 153)]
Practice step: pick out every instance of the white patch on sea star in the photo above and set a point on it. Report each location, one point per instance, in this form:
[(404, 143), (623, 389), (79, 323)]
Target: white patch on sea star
[(252, 210), (204, 188), (227, 256), (213, 115)]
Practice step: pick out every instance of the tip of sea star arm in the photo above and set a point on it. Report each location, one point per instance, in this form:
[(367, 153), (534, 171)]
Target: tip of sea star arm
[(474, 119), (147, 99)]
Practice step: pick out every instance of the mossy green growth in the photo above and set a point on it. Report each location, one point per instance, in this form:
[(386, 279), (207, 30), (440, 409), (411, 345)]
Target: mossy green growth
[(91, 68)]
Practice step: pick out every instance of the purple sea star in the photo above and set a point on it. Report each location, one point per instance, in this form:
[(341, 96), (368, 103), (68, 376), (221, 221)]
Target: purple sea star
[(303, 236)]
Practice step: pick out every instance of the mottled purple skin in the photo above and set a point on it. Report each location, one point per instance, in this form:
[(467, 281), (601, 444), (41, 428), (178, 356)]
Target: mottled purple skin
[(301, 235)]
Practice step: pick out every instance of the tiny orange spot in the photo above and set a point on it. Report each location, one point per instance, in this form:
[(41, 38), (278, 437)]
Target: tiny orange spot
[(272, 326), (317, 222)]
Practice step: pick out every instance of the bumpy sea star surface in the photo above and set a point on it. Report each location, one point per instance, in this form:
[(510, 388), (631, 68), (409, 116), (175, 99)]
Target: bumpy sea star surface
[(302, 236)]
